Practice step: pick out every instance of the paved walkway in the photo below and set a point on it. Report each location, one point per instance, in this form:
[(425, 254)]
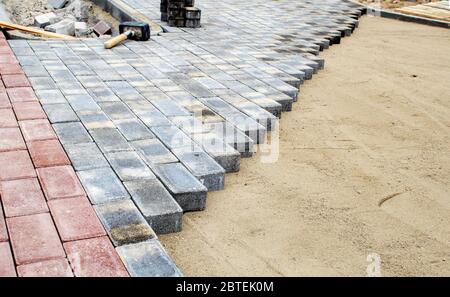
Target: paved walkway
[(149, 127)]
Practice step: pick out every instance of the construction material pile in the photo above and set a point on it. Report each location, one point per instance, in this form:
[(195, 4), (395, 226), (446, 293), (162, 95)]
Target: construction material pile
[(180, 13), (80, 18)]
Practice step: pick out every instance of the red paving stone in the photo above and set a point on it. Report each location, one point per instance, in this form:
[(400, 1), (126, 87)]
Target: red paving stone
[(4, 100), (22, 197), (3, 230), (28, 111), (15, 80), (7, 118), (75, 219), (47, 153), (35, 130), (94, 257), (10, 69), (21, 94), (16, 165), (8, 59), (34, 239), (7, 268), (11, 139), (51, 268), (60, 182)]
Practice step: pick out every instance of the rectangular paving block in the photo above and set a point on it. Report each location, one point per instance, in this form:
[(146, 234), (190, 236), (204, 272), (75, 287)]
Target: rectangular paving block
[(7, 118), (224, 154), (110, 140), (7, 268), (172, 136), (4, 99), (75, 219), (51, 96), (156, 204), (47, 153), (124, 223), (203, 167), (22, 197), (15, 80), (60, 113), (21, 94), (35, 130), (94, 257), (11, 140), (72, 133), (95, 120), (59, 182), (153, 152), (188, 191), (34, 238), (116, 110), (85, 156), (28, 111), (15, 165), (102, 185), (129, 166), (50, 268), (148, 259), (82, 102), (133, 129)]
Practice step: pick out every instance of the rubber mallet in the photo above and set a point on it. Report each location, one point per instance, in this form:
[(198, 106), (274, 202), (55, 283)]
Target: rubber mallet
[(139, 31)]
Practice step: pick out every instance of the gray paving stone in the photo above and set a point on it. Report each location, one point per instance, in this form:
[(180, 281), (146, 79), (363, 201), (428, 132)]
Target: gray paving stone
[(184, 187), (82, 103), (102, 185), (172, 136), (85, 156), (95, 120), (133, 129), (129, 166), (50, 96), (71, 133), (110, 140), (153, 152), (116, 110), (42, 83), (156, 204), (123, 222), (148, 259), (203, 167), (224, 154), (59, 113)]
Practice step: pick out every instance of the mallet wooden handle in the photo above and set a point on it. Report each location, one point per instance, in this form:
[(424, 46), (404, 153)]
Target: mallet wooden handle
[(118, 39), (43, 33)]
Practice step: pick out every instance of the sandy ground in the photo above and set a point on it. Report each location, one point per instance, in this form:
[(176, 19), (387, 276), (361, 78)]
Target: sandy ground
[(394, 3), (374, 124)]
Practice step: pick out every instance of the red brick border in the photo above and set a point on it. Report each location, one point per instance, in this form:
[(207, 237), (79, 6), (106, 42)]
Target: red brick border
[(47, 225)]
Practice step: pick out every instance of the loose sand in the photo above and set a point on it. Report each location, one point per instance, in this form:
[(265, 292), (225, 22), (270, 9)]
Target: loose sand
[(374, 124)]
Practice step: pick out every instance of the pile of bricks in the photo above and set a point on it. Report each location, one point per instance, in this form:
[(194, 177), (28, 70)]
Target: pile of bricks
[(180, 13)]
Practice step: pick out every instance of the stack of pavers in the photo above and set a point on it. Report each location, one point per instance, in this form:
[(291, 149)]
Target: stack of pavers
[(180, 13)]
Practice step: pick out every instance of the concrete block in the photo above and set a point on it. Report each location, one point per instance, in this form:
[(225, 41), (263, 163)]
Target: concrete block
[(172, 136), (156, 204), (43, 20), (102, 28), (58, 4), (81, 29), (203, 167), (184, 187), (133, 129), (148, 259), (95, 120), (224, 154), (153, 152), (102, 185), (129, 166), (85, 156), (124, 223), (66, 27), (60, 113), (71, 133), (110, 140)]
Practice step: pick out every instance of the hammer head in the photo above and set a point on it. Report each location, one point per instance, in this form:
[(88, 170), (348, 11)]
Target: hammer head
[(141, 30)]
